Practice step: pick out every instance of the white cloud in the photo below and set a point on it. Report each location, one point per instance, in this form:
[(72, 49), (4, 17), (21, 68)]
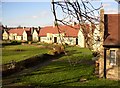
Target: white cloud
[(34, 17), (25, 0), (112, 11), (105, 4)]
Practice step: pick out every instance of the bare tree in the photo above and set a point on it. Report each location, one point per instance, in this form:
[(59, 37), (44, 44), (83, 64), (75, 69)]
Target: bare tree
[(81, 12)]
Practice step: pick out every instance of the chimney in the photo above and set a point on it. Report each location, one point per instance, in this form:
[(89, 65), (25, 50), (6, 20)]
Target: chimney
[(24, 27), (101, 26), (6, 26), (102, 20), (32, 29), (38, 28), (55, 24)]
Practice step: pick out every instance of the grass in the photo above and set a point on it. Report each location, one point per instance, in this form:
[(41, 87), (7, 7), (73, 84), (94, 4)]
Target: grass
[(68, 70), (20, 52)]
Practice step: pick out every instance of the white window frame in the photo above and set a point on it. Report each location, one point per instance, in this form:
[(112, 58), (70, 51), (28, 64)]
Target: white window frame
[(113, 63)]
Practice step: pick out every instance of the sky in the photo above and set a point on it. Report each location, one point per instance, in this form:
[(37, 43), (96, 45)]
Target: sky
[(34, 13)]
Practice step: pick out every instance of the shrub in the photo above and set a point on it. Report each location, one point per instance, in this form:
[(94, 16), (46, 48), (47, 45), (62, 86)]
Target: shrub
[(11, 43), (15, 42), (59, 49), (52, 52)]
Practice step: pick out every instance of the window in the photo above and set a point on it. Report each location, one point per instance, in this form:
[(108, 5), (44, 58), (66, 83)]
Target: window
[(112, 57)]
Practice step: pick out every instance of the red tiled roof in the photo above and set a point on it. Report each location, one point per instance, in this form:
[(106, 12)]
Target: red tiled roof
[(48, 29), (19, 31), (69, 31), (112, 32), (27, 29)]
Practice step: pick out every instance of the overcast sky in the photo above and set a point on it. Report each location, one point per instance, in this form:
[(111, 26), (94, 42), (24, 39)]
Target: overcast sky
[(38, 12)]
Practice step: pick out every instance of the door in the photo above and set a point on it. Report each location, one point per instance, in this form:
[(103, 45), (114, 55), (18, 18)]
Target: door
[(55, 39), (76, 41)]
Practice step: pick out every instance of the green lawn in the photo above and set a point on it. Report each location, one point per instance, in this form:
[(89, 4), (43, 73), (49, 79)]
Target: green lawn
[(20, 52), (68, 70)]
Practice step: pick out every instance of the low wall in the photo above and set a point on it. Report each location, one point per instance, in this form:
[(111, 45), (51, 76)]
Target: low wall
[(10, 68)]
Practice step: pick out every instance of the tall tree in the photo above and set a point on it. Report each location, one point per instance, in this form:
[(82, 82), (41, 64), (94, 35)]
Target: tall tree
[(81, 12)]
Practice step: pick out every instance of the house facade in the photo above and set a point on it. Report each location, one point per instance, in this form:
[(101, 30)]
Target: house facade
[(110, 61), (81, 40), (24, 36), (35, 35), (20, 34), (65, 34), (5, 35)]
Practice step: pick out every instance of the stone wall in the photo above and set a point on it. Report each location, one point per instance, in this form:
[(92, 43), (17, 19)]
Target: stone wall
[(101, 66), (112, 71)]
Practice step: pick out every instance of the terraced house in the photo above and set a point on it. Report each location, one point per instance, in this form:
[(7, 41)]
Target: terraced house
[(71, 35), (18, 34), (64, 34), (5, 35), (35, 35)]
